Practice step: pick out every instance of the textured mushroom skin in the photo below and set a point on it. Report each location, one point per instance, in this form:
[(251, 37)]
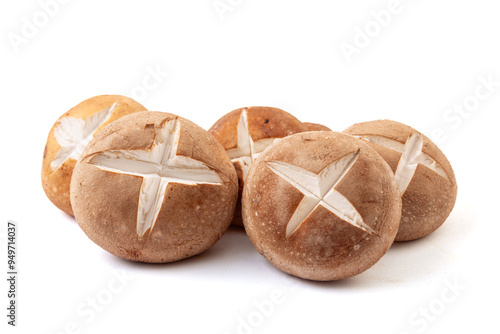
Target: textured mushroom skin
[(315, 127), (192, 217), (56, 183), (324, 247), (263, 123), (429, 198)]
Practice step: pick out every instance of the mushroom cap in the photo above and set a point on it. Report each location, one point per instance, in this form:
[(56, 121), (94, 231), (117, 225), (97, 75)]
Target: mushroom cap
[(319, 177), (68, 137), (315, 127), (263, 125), (430, 195), (154, 187)]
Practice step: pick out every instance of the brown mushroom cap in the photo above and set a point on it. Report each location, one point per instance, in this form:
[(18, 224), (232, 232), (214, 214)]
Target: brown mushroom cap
[(263, 125), (431, 193), (120, 176), (77, 122), (323, 246), (315, 127)]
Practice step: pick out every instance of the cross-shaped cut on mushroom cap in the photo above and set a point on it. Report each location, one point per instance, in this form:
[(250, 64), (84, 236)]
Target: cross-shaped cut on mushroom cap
[(158, 166), (319, 190), (247, 150), (73, 134), (411, 156)]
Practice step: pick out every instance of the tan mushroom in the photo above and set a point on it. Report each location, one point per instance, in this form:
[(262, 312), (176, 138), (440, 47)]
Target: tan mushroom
[(315, 127), (154, 187), (427, 182), (321, 205), (69, 136), (247, 132)]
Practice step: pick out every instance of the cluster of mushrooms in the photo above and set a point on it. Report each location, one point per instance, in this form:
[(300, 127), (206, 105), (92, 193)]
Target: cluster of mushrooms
[(322, 205)]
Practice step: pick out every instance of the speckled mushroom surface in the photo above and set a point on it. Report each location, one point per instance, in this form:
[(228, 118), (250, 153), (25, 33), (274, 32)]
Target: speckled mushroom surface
[(425, 176), (154, 187), (69, 136), (315, 127), (321, 205), (247, 132)]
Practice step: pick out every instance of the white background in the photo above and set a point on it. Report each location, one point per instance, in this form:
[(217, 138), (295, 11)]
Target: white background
[(431, 56)]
